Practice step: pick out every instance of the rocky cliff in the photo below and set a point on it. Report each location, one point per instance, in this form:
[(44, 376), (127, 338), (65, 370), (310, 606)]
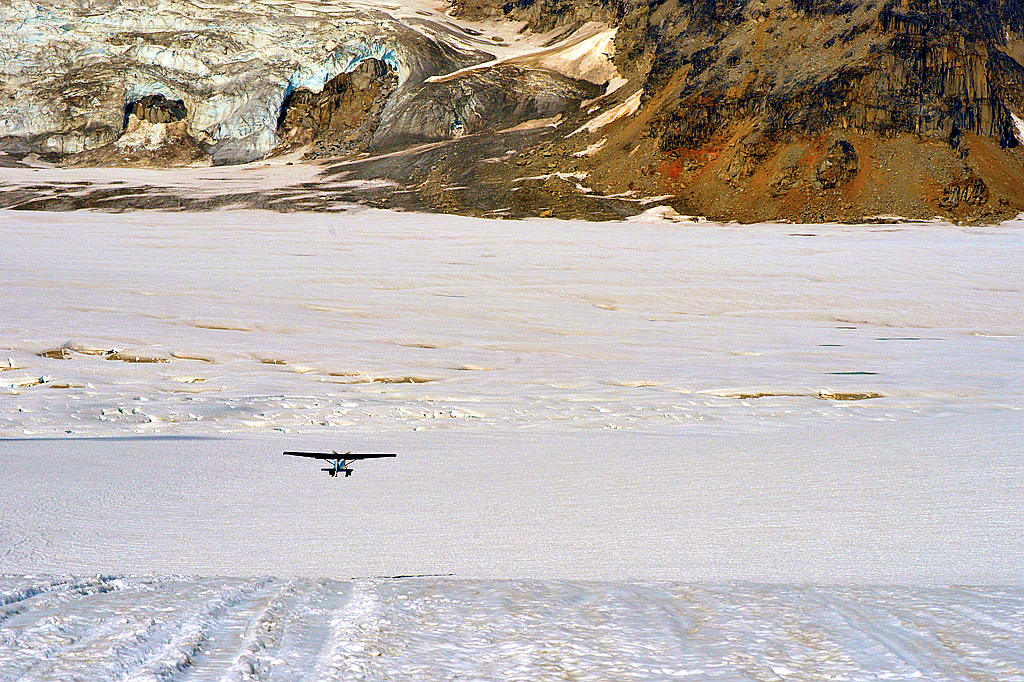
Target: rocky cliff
[(734, 109), (812, 110)]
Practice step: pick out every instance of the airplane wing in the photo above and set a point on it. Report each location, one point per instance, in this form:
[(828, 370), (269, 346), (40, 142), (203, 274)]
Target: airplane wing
[(348, 456), (314, 455)]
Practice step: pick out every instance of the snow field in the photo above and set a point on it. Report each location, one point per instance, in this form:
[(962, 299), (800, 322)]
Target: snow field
[(925, 502), (644, 450), (371, 319)]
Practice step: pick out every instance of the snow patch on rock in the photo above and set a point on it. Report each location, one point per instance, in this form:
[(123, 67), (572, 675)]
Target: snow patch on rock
[(627, 108), (585, 55), (1018, 124)]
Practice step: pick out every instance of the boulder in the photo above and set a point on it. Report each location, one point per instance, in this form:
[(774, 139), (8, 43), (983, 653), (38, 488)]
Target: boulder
[(839, 166)]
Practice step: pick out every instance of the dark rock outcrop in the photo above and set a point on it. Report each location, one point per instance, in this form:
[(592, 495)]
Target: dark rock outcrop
[(487, 101), (157, 109), (342, 118), (971, 191)]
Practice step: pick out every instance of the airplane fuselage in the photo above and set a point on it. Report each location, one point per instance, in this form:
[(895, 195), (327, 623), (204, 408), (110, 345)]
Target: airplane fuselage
[(338, 466)]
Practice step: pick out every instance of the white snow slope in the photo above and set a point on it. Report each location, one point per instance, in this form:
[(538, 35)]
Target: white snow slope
[(773, 419)]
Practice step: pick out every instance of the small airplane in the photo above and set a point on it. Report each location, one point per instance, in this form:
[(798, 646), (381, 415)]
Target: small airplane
[(339, 462)]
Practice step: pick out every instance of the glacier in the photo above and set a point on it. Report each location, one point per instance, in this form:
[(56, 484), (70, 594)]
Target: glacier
[(70, 68)]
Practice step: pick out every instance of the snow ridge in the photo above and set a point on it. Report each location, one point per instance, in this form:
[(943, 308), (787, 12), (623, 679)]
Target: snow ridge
[(262, 635), (179, 650), (345, 655)]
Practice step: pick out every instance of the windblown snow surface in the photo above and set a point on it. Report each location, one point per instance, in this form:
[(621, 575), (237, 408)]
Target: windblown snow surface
[(643, 450)]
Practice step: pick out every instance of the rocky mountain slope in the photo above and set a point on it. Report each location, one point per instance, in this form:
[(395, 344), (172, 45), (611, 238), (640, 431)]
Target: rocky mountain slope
[(733, 109), (812, 110)]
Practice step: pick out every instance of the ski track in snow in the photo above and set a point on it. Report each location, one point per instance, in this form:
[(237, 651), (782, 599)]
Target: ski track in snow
[(425, 629)]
